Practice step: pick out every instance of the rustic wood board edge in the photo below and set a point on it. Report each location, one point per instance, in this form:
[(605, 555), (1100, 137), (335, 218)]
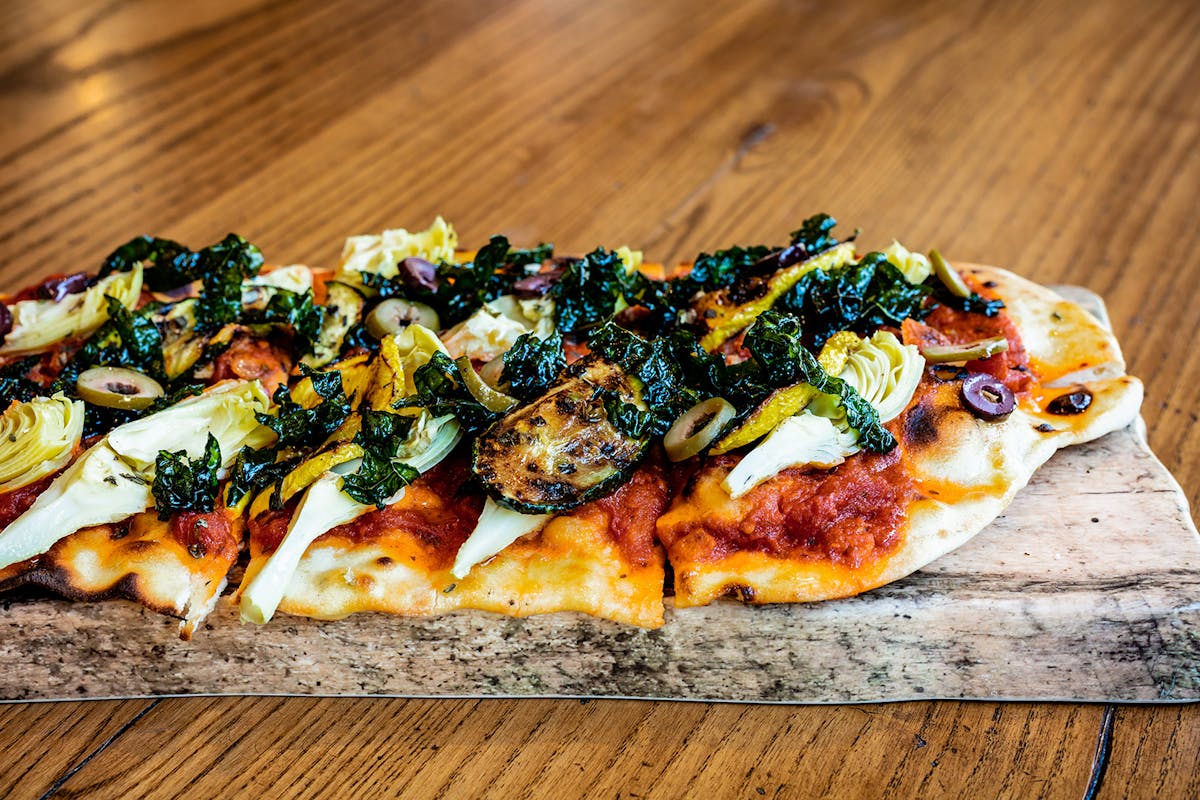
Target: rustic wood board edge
[(1099, 618)]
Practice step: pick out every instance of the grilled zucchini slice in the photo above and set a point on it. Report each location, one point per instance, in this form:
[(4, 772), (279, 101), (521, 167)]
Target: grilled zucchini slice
[(561, 450)]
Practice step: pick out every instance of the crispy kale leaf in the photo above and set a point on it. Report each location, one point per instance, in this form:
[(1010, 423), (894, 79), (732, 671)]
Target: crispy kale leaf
[(254, 470), (377, 479), (15, 383), (974, 304), (128, 339), (858, 297), (441, 390), (223, 266), (294, 309), (588, 291), (774, 341), (626, 417), (380, 476), (168, 264), (185, 484), (297, 425), (655, 366), (532, 364)]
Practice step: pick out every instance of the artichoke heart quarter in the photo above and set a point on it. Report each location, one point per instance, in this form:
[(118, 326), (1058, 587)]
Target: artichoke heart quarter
[(40, 324), (885, 372), (37, 439)]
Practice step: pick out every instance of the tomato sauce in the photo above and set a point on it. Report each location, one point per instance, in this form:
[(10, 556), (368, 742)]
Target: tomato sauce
[(268, 529), (958, 327), (849, 515), (15, 503), (631, 513), (205, 534)]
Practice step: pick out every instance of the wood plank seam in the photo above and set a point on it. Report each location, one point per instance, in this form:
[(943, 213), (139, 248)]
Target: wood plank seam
[(66, 776)]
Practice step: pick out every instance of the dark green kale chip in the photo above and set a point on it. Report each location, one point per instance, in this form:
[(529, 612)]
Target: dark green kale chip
[(654, 364), (377, 479), (774, 341), (814, 234), (441, 390), (222, 267), (532, 364), (15, 383), (973, 304), (295, 309), (185, 484), (168, 264), (859, 297), (128, 339), (358, 338), (254, 470), (300, 426), (383, 431), (712, 271), (380, 476), (626, 417), (588, 291)]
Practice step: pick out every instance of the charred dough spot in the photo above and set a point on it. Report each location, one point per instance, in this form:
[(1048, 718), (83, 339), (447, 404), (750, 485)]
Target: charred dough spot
[(920, 426)]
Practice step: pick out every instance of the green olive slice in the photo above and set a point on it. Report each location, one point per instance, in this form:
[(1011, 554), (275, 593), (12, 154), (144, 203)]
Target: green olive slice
[(117, 387), (948, 275), (697, 427), (395, 314), (967, 351), (488, 397)]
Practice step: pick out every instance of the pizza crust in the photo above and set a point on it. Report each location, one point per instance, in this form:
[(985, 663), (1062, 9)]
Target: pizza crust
[(969, 471)]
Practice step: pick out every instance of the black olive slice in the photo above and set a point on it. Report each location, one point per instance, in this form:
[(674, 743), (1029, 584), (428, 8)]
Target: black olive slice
[(987, 397), (1075, 402)]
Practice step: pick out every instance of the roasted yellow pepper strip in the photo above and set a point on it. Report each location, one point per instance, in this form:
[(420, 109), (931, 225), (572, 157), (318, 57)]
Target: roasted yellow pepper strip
[(790, 400), (724, 320)]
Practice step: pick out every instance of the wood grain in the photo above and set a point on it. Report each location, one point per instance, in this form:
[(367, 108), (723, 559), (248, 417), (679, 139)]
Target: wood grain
[(1057, 138)]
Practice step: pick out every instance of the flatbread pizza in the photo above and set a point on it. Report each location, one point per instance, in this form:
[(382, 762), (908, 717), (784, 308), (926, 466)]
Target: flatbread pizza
[(425, 429)]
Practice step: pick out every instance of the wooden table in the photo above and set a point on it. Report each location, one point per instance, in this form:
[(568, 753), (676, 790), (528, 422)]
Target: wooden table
[(1059, 139)]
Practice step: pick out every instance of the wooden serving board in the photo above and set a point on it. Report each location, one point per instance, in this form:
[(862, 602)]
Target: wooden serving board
[(1087, 589)]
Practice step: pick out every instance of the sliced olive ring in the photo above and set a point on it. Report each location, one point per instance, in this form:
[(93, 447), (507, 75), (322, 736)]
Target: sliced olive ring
[(968, 351), (697, 428), (987, 397), (395, 314), (1074, 402), (488, 397), (117, 387), (948, 275)]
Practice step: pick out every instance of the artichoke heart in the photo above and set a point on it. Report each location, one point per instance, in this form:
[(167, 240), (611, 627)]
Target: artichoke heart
[(111, 480), (379, 254), (915, 266), (803, 440), (39, 324), (884, 371), (37, 439)]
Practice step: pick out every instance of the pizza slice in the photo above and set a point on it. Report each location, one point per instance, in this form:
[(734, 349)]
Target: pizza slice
[(799, 516), (85, 532)]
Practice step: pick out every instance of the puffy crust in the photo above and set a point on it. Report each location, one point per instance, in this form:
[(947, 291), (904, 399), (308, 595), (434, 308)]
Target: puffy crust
[(599, 559), (147, 565), (966, 471)]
